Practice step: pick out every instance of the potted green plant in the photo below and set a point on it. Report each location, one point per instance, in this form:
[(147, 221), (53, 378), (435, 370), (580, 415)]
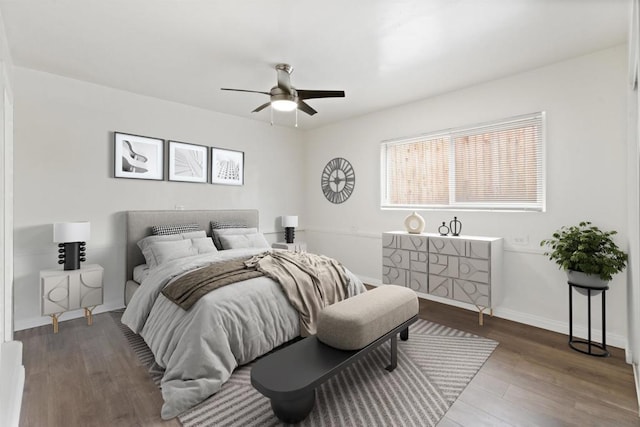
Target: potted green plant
[(588, 255)]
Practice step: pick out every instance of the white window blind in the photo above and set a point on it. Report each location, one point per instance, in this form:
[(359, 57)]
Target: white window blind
[(492, 166)]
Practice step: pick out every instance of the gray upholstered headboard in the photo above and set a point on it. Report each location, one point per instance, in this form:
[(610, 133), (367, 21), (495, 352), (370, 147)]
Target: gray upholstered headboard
[(139, 225)]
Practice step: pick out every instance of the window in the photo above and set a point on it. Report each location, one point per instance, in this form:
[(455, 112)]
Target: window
[(492, 166)]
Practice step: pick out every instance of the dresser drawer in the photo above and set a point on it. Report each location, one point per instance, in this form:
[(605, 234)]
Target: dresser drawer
[(394, 276), (476, 270), (472, 292), (447, 246), (396, 258), (441, 286)]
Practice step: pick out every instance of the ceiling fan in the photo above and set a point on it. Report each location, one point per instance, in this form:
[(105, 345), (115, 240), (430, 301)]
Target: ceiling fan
[(285, 97)]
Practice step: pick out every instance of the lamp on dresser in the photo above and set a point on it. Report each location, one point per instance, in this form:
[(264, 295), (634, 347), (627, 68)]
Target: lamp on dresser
[(289, 222), (71, 238)]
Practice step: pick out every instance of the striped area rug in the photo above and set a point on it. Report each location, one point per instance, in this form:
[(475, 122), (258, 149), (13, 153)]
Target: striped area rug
[(434, 367)]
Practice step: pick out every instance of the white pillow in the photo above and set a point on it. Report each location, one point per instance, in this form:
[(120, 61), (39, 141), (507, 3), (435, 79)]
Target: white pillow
[(237, 241), (234, 231), (203, 245), (172, 249), (145, 243)]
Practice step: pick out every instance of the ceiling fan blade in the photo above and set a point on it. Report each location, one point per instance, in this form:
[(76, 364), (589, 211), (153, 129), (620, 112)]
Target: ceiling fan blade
[(245, 90), (262, 107), (303, 106), (309, 94)]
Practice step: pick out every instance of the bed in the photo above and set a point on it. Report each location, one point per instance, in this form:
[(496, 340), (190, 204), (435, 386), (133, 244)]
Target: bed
[(200, 347)]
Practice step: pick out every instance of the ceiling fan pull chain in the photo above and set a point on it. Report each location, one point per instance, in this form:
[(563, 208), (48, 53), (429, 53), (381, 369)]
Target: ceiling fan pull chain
[(296, 117), (271, 109)]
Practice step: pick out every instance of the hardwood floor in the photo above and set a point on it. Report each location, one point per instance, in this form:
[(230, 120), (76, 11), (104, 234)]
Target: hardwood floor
[(89, 376)]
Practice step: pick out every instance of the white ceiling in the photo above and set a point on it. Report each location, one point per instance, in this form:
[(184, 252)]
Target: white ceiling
[(380, 52)]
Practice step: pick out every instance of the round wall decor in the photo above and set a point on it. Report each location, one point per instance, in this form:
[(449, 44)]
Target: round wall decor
[(338, 180)]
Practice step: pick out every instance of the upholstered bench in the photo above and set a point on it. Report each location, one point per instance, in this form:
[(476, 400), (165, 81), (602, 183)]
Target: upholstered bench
[(346, 332)]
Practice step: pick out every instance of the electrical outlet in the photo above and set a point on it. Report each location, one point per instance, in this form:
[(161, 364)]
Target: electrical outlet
[(179, 207), (520, 240)]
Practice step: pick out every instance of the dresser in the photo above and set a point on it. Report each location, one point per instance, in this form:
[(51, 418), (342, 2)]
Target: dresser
[(464, 269), (65, 290)]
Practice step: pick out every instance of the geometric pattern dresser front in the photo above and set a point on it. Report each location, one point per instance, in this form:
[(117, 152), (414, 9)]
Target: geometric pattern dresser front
[(405, 260), (467, 269)]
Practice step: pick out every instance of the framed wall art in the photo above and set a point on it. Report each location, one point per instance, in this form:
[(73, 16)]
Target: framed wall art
[(138, 157), (227, 166), (188, 162)]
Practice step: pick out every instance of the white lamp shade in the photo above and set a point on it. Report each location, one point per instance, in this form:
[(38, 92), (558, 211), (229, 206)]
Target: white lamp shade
[(289, 221), (66, 232)]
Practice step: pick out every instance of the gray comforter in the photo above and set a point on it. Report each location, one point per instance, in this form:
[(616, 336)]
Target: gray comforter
[(231, 326)]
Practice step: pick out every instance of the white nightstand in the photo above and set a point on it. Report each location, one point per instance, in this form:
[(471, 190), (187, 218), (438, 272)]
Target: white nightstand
[(295, 247), (65, 290)]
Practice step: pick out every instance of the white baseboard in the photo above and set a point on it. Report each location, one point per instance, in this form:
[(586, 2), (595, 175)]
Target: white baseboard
[(69, 315), (614, 340)]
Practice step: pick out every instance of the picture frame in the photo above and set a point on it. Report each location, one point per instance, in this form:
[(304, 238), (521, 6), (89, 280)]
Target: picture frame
[(138, 157), (188, 162), (227, 166)]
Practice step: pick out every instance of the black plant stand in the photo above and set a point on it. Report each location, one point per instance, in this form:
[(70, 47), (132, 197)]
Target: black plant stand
[(592, 348)]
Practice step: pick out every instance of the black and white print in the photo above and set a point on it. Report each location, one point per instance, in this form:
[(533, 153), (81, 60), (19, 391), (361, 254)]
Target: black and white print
[(138, 157), (187, 162), (227, 166)]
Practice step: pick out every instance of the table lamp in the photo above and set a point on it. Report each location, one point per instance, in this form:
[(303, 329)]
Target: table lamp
[(71, 238), (289, 222)]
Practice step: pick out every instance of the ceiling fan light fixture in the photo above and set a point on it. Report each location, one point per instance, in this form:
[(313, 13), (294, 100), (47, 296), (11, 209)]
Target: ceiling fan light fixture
[(284, 104)]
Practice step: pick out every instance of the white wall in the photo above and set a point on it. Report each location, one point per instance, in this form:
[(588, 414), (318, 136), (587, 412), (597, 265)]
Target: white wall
[(64, 169), (586, 104), (6, 187), (64, 172)]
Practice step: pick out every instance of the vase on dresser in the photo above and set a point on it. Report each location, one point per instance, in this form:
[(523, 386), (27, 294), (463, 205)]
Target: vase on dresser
[(414, 223)]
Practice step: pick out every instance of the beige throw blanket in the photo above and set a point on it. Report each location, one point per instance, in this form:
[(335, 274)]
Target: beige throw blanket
[(310, 281)]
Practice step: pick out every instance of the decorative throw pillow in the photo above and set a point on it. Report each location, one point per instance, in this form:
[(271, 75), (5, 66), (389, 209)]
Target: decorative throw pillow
[(249, 240), (172, 249), (163, 230), (220, 225), (145, 243), (203, 245)]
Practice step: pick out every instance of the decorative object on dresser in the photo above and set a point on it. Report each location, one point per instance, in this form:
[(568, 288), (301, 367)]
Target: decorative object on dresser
[(289, 223), (443, 229), (69, 290), (414, 223), (71, 238), (338, 180), (455, 226), (227, 166), (188, 162), (138, 157), (464, 269)]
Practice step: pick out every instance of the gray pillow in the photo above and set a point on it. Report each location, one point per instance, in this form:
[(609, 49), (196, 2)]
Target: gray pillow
[(171, 249), (203, 245), (219, 225), (145, 243), (238, 241)]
